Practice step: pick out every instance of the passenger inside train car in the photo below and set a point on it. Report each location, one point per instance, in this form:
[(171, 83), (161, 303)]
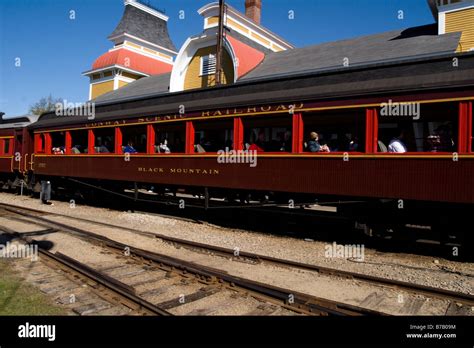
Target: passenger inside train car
[(434, 130), (134, 139), (268, 135), (336, 131), (213, 136), (169, 138)]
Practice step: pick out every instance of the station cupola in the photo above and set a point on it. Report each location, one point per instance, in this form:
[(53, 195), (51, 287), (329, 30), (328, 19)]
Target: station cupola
[(142, 47), (455, 16), (245, 45)]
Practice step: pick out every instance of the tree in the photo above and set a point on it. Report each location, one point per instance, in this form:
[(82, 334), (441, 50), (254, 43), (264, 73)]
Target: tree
[(45, 104)]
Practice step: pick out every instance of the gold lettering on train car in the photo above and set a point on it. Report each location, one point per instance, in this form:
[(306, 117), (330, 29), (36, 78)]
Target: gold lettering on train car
[(217, 113), (281, 107), (206, 113), (299, 106), (266, 108), (249, 110)]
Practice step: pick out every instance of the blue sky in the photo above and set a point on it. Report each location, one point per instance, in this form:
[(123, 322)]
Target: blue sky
[(54, 50)]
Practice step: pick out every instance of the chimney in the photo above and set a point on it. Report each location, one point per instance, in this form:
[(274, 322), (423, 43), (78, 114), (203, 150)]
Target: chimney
[(253, 10)]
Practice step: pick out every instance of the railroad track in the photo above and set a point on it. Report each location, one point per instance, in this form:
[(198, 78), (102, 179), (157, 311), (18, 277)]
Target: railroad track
[(146, 278)]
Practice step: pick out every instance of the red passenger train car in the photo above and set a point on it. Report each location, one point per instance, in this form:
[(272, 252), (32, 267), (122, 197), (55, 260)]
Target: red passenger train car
[(16, 147), (196, 149)]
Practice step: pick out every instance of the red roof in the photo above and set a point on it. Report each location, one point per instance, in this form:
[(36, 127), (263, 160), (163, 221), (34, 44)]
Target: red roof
[(132, 60)]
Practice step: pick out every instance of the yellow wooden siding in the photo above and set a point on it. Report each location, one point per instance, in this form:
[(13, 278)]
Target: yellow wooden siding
[(233, 24), (101, 88), (122, 83), (134, 45), (260, 39), (193, 78), (462, 21), (130, 75), (165, 56), (212, 20)]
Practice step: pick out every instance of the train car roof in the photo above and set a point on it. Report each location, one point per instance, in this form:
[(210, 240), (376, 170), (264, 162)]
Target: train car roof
[(16, 121)]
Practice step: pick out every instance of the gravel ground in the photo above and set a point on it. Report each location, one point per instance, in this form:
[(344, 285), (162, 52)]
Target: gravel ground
[(424, 270)]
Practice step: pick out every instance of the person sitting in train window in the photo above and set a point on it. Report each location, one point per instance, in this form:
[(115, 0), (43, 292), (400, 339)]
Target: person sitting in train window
[(164, 147), (397, 145), (285, 140), (446, 140), (75, 150), (433, 143), (259, 144), (315, 146), (129, 148), (57, 151), (354, 144)]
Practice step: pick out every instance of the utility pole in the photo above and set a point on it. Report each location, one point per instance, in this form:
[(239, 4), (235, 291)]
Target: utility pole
[(220, 43)]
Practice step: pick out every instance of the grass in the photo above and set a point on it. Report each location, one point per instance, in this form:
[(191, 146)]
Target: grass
[(19, 298)]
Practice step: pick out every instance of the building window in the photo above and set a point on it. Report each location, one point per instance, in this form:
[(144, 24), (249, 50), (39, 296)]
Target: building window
[(208, 65)]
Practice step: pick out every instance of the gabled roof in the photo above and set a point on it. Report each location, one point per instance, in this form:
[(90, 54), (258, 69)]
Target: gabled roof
[(388, 46), (144, 25)]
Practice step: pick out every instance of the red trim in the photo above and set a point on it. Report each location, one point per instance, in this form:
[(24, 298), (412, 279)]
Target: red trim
[(189, 147), (371, 130), (465, 127), (68, 143), (298, 133), (48, 144), (91, 141), (118, 141), (238, 134), (150, 139), (2, 147)]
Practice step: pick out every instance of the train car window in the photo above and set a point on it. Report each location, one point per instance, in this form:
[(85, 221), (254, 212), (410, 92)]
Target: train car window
[(336, 130), (134, 139), (424, 128), (170, 138), (79, 141), (58, 143), (268, 134), (104, 140), (213, 136), (6, 146)]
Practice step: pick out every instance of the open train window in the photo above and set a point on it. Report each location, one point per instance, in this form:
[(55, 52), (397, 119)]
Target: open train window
[(422, 128), (213, 136), (104, 140), (268, 134), (170, 138), (7, 148), (134, 139), (337, 130), (79, 141), (58, 143)]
